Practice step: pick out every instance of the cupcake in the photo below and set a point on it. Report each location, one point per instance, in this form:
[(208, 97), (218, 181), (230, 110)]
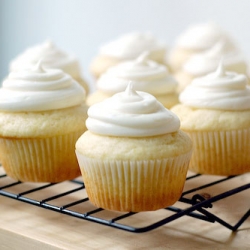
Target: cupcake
[(195, 39), (52, 57), (127, 47), (215, 112), (133, 157), (145, 74), (206, 62), (42, 114)]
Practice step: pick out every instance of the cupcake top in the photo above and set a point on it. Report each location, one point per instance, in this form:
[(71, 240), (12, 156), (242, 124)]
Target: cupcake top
[(201, 36), (39, 89), (146, 75), (218, 90), (205, 62), (52, 57), (131, 114), (131, 45)]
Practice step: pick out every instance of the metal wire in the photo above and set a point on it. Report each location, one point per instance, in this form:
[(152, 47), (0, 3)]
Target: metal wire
[(197, 206)]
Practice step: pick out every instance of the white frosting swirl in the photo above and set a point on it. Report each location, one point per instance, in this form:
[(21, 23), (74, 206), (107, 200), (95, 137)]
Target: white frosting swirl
[(205, 62), (52, 57), (146, 75), (132, 114), (219, 90), (39, 89), (131, 45), (201, 36)]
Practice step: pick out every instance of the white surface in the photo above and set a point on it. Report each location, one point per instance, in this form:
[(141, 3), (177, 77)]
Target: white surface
[(81, 26)]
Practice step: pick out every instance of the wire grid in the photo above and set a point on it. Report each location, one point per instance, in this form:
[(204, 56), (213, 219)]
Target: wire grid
[(197, 206)]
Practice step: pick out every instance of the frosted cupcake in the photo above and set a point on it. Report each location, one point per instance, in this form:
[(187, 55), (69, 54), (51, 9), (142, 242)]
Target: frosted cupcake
[(215, 112), (42, 114), (206, 62), (52, 57), (195, 39), (145, 74), (127, 47), (133, 156)]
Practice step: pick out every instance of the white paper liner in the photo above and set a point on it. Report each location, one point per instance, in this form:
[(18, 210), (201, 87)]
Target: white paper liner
[(221, 153), (40, 160), (134, 185)]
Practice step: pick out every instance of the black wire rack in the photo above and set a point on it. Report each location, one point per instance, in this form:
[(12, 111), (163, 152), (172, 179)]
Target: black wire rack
[(70, 198)]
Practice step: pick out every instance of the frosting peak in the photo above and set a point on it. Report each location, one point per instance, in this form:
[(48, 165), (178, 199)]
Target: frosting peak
[(48, 44), (218, 90), (131, 93), (131, 113), (38, 67), (39, 89), (142, 59), (220, 71)]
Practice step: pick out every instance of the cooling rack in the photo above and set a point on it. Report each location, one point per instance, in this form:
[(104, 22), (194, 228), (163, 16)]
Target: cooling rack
[(198, 200)]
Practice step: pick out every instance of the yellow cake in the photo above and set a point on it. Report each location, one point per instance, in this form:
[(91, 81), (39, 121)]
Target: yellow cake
[(215, 112), (133, 156), (42, 114)]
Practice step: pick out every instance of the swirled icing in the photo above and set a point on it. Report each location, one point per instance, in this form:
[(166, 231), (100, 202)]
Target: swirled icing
[(218, 90), (52, 57), (146, 75), (39, 89), (132, 114), (205, 62), (131, 45), (201, 36)]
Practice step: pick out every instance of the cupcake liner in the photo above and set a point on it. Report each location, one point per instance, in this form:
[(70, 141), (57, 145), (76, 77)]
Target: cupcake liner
[(134, 185), (221, 153), (40, 159)]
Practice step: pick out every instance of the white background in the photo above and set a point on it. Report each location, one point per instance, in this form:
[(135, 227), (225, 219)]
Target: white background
[(81, 26)]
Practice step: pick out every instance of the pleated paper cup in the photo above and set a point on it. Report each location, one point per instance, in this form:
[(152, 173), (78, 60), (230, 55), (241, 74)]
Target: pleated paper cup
[(221, 153), (40, 159), (134, 185)]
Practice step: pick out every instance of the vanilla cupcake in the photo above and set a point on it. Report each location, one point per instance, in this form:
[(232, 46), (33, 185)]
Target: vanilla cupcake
[(42, 114), (133, 156), (127, 47), (195, 39), (52, 57), (206, 62), (215, 112), (145, 74)]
